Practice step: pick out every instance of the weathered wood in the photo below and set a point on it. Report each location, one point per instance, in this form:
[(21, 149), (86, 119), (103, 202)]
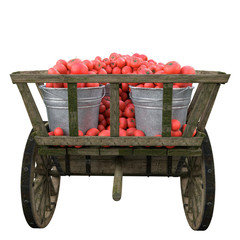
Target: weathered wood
[(197, 111), (32, 110), (119, 141), (43, 77), (184, 152), (92, 151), (113, 151), (72, 109), (114, 109), (150, 151), (208, 108), (117, 181), (167, 109), (56, 151), (195, 97)]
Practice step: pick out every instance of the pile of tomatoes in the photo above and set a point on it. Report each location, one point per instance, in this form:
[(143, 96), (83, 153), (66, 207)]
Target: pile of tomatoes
[(119, 64)]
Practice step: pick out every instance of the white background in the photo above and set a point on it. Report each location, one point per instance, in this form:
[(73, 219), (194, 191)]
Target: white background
[(204, 34)]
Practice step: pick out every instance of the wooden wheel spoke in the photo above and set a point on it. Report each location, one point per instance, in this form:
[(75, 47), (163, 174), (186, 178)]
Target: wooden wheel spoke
[(38, 183)]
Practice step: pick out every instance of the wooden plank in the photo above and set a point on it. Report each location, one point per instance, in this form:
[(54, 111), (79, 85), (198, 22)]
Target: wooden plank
[(72, 109), (185, 152), (150, 151), (93, 151), (117, 182), (197, 111), (208, 108), (113, 151), (114, 78), (114, 109), (119, 141), (32, 110), (195, 97), (52, 151), (167, 109)]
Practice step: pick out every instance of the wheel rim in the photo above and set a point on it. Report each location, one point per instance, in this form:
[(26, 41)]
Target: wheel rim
[(40, 184), (198, 188)]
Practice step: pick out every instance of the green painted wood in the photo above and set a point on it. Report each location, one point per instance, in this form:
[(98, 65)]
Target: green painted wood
[(150, 152), (167, 109), (52, 151), (43, 77), (114, 109), (32, 110), (198, 109), (185, 152), (119, 141), (72, 109), (208, 108), (93, 151)]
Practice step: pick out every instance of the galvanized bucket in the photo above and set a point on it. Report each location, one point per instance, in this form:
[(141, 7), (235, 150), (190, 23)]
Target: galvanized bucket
[(148, 104), (56, 101)]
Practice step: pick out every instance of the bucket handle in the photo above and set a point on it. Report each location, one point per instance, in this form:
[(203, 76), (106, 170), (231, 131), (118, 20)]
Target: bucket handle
[(41, 87)]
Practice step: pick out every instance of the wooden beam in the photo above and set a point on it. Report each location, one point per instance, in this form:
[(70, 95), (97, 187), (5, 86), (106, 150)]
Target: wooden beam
[(114, 109), (117, 182), (72, 109)]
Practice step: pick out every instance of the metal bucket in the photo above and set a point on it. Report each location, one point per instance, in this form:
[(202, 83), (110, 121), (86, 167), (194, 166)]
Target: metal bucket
[(107, 88), (148, 104), (56, 101)]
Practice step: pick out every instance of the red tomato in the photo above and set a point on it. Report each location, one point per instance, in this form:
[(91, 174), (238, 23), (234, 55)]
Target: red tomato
[(91, 72), (92, 84), (71, 62), (128, 101), (158, 135), (80, 133), (108, 120), (102, 108), (122, 105), (58, 85), (120, 113), (81, 85), (61, 68), (49, 85), (129, 112), (136, 55), (121, 62), (97, 65), (181, 85), (123, 123), (159, 85), (136, 62), (124, 87), (58, 132), (107, 113), (139, 133), (160, 72), (113, 64), (101, 117), (177, 133), (113, 56), (65, 85), (89, 64), (143, 57), (120, 91), (140, 85), (104, 133), (187, 70), (102, 71), (124, 96), (130, 131), (104, 122), (62, 61), (108, 69), (149, 85), (145, 71), (106, 101), (79, 68), (51, 133), (126, 70), (172, 67), (92, 132), (106, 61), (159, 67), (98, 58), (175, 86), (153, 68), (131, 122), (176, 125), (108, 127), (133, 84), (116, 70), (122, 132), (53, 71), (101, 127)]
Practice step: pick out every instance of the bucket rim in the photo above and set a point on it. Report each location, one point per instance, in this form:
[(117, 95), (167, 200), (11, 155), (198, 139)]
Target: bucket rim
[(65, 89), (161, 89)]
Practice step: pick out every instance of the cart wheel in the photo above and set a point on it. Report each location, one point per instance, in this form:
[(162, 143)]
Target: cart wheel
[(40, 183), (198, 187)]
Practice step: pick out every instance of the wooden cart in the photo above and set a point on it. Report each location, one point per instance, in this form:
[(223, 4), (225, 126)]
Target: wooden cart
[(191, 159)]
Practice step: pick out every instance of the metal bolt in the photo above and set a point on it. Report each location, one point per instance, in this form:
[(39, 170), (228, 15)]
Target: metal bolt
[(25, 169), (209, 170), (26, 201), (209, 204)]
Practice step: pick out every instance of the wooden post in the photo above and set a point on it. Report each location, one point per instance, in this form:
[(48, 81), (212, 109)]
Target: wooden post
[(114, 109), (167, 109), (117, 182), (72, 109)]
